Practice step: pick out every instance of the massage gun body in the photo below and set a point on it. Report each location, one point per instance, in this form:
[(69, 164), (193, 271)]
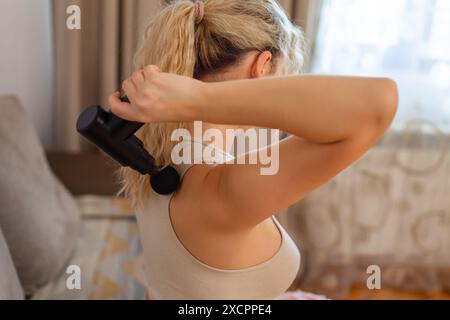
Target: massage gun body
[(115, 136)]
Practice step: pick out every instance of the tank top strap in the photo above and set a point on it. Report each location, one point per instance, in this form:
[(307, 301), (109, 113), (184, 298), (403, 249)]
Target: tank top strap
[(207, 149), (182, 169)]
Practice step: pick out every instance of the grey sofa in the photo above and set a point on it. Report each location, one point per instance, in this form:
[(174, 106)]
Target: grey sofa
[(39, 219)]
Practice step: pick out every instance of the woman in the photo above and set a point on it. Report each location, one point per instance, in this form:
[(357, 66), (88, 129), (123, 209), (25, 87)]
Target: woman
[(233, 63)]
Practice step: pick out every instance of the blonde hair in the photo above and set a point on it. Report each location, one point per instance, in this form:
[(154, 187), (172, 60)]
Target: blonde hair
[(178, 42)]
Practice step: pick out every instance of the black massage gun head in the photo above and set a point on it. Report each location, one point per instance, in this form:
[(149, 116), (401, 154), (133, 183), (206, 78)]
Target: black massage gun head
[(115, 136), (166, 181)]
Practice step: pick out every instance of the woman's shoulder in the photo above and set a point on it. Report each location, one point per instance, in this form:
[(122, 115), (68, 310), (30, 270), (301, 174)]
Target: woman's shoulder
[(198, 197)]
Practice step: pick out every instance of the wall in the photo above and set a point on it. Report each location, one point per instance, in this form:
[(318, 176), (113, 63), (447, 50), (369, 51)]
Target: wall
[(26, 59)]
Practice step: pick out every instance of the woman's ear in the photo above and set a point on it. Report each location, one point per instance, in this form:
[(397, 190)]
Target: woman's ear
[(262, 66)]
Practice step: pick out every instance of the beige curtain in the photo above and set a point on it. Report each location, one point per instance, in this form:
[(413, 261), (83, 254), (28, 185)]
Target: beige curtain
[(305, 13), (91, 62)]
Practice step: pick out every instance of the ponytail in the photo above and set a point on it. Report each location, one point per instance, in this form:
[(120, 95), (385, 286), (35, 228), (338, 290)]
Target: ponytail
[(169, 40), (195, 38)]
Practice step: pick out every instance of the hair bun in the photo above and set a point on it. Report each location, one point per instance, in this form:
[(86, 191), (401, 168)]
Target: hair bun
[(199, 11)]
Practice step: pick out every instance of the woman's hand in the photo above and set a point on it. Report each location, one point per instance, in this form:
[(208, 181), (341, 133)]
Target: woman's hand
[(157, 97)]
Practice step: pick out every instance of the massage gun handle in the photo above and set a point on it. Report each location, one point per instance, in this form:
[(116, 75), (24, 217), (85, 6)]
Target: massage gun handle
[(115, 136), (122, 129)]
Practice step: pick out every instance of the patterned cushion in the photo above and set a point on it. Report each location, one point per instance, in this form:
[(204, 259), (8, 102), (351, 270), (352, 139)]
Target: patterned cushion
[(108, 254)]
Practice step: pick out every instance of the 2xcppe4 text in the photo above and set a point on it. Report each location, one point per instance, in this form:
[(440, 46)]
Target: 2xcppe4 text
[(226, 309)]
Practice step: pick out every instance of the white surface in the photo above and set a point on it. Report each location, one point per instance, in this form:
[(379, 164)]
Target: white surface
[(26, 59), (406, 40)]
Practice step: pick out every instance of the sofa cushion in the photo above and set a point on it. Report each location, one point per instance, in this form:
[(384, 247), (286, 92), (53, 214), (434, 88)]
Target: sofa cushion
[(10, 288), (39, 218)]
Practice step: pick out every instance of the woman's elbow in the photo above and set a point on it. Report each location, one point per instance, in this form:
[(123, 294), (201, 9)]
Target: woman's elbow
[(387, 102)]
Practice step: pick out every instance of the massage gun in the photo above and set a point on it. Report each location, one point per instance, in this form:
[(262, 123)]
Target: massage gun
[(115, 136)]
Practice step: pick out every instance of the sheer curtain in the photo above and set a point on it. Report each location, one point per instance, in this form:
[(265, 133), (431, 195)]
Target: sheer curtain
[(391, 208)]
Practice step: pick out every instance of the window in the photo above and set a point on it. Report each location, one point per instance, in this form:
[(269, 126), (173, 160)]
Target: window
[(407, 40)]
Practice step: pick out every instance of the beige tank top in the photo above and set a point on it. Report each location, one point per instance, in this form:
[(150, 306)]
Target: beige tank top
[(173, 273)]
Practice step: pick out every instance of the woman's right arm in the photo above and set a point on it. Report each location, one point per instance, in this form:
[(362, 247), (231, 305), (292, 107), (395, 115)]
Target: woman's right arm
[(334, 121), (319, 109)]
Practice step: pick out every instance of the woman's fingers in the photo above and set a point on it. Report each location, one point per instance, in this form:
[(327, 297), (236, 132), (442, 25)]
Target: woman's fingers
[(129, 88), (151, 96), (138, 79), (150, 71), (122, 109)]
